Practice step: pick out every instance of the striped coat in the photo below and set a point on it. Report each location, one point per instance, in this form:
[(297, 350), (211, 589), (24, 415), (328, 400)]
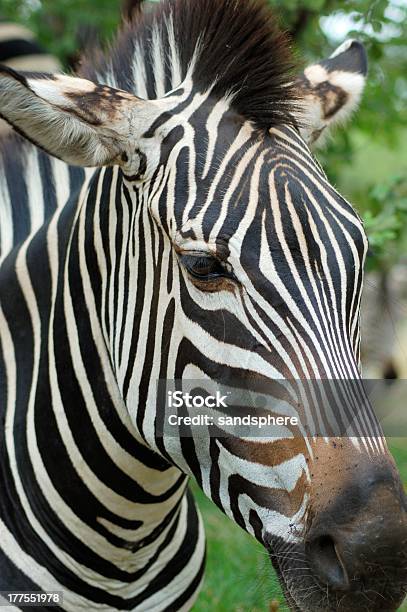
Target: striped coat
[(167, 221)]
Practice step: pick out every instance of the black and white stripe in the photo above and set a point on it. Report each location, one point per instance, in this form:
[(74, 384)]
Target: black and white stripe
[(20, 50)]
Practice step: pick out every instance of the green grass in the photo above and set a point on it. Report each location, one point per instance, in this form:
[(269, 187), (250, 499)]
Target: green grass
[(239, 576)]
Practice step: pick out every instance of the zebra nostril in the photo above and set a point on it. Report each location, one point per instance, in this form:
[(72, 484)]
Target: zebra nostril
[(326, 563)]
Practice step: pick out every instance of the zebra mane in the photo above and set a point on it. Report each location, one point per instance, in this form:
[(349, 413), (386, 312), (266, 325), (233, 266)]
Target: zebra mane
[(231, 47)]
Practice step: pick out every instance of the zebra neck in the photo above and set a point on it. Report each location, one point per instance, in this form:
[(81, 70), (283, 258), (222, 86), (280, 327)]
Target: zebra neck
[(33, 186), (117, 501), (126, 262)]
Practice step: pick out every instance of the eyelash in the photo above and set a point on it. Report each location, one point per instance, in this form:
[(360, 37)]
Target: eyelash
[(204, 267)]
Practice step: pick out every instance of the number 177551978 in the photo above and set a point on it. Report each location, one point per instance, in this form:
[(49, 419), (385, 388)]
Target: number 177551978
[(30, 598)]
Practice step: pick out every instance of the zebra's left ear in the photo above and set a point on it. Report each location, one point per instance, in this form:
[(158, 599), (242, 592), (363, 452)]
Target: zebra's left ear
[(331, 90), (78, 121)]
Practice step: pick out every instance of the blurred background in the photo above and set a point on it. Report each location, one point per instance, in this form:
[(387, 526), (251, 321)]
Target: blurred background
[(366, 160)]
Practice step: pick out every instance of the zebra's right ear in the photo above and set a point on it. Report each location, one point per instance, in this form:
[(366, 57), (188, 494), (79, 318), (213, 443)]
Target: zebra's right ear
[(331, 90), (76, 120)]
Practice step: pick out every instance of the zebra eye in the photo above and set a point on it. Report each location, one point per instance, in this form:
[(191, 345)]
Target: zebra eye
[(204, 267)]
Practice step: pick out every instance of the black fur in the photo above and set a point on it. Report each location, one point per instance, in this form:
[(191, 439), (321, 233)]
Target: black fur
[(131, 9), (242, 53), (17, 47)]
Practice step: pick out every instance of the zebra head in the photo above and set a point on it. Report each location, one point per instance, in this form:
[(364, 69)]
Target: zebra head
[(217, 249)]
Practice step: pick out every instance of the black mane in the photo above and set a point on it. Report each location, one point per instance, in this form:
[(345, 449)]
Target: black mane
[(242, 55)]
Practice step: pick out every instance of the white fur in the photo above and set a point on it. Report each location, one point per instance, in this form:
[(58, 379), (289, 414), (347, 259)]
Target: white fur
[(316, 74), (45, 114), (53, 91), (315, 127), (343, 47), (351, 82)]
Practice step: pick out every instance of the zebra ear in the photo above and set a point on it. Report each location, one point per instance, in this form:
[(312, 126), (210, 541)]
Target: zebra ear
[(74, 119), (331, 90)]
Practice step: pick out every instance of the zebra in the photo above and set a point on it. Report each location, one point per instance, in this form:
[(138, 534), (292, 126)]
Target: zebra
[(20, 50), (166, 220)]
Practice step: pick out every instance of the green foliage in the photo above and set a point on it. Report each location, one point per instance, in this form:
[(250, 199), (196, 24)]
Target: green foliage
[(316, 27), (385, 221), (58, 23)]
